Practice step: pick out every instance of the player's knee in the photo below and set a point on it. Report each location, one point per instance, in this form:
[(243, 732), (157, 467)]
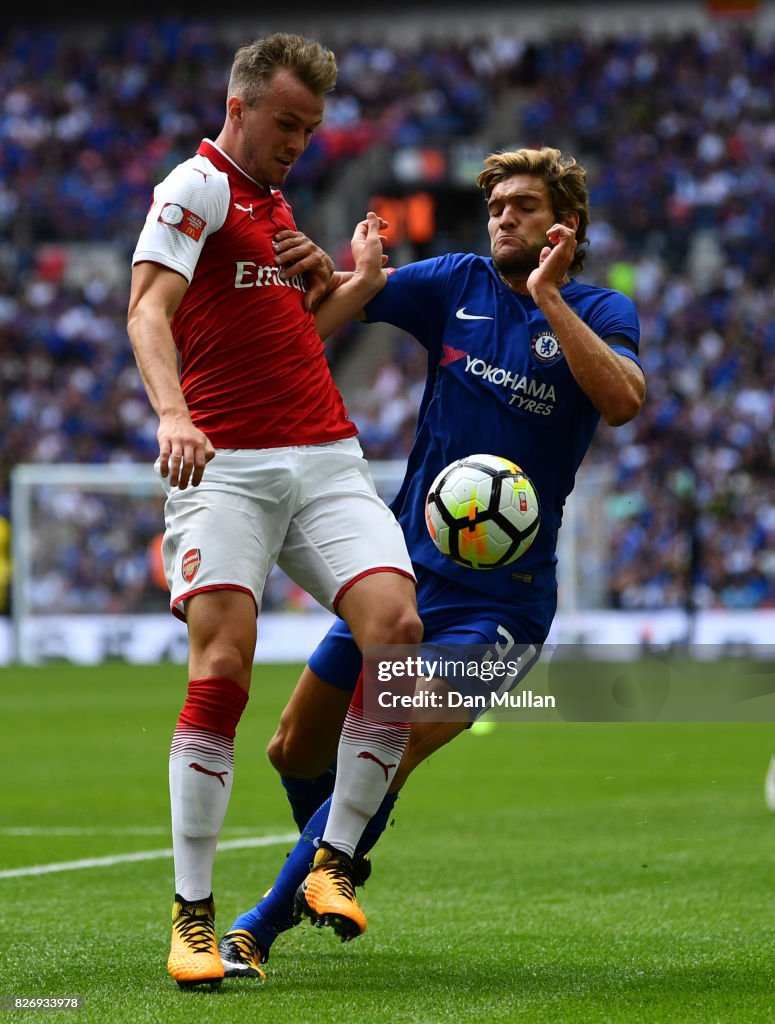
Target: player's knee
[(409, 628), (291, 754), (225, 660), (394, 624), (275, 751)]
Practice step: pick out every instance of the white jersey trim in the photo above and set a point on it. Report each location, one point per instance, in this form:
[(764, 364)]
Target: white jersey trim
[(198, 186)]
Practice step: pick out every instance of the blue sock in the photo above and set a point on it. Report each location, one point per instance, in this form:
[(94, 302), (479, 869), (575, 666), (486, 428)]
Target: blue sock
[(306, 795), (274, 914), (377, 825)]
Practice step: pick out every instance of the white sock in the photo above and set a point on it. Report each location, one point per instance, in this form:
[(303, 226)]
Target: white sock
[(201, 776), (368, 757)]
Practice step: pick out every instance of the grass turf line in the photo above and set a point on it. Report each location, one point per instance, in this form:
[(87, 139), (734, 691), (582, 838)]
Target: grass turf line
[(543, 873)]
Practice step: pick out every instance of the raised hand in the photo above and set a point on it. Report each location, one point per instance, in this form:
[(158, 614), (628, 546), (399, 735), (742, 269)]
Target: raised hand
[(367, 245), (554, 261)]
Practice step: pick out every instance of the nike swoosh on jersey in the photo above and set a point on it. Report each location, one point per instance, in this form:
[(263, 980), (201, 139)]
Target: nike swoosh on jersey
[(462, 315)]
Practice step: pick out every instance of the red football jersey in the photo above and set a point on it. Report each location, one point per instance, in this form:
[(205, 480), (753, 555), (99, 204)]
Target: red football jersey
[(252, 366)]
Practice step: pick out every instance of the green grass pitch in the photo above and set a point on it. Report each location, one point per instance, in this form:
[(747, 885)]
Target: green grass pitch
[(550, 873)]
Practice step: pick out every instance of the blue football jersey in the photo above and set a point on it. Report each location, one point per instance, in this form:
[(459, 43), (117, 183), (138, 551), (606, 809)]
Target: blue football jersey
[(497, 383)]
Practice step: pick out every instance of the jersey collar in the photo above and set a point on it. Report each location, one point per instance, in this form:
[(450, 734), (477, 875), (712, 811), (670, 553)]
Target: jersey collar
[(225, 163)]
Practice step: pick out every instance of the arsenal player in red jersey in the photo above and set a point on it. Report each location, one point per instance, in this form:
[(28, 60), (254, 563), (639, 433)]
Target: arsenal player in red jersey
[(260, 464)]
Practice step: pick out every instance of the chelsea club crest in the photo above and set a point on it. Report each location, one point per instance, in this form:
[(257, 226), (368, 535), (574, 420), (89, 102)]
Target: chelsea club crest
[(545, 347)]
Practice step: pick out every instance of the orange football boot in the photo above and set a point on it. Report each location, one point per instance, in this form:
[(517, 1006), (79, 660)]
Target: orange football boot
[(194, 958), (327, 895)]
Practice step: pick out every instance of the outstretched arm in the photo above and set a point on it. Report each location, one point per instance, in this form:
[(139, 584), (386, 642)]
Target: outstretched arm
[(613, 383), (351, 291)]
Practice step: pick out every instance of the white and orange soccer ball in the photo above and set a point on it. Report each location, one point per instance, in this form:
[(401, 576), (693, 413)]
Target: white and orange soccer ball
[(482, 511)]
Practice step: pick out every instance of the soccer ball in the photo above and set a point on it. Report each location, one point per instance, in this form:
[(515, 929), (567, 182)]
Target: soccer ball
[(482, 512)]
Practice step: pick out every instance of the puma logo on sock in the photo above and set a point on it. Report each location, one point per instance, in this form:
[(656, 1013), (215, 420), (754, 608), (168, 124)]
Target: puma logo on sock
[(368, 756), (216, 775)]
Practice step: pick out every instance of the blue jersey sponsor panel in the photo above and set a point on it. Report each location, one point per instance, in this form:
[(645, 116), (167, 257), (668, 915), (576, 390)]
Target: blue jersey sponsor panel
[(497, 382)]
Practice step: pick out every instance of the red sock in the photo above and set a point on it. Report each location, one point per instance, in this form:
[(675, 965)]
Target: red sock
[(201, 776), (213, 705)]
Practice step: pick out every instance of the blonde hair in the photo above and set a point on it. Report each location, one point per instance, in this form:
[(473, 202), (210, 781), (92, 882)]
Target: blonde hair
[(565, 180), (255, 64)]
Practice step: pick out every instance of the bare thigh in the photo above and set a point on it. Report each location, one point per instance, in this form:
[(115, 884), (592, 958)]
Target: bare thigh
[(222, 635)]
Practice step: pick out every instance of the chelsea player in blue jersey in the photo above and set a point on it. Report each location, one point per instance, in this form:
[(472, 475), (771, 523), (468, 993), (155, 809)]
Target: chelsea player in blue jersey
[(522, 362)]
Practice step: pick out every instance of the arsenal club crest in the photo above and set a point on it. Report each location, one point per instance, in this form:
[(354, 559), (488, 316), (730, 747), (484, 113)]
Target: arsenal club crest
[(190, 564)]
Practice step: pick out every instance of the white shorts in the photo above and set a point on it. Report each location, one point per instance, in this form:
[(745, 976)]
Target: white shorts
[(313, 509)]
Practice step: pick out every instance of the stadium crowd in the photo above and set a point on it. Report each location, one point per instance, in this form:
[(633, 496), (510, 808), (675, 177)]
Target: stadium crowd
[(678, 132)]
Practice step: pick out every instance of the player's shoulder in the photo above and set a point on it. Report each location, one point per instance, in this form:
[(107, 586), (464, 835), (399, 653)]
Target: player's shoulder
[(599, 299), (199, 171), (197, 184), (440, 268), (594, 295), (466, 261)]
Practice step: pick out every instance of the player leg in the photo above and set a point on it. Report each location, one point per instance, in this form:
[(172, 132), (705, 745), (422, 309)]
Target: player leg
[(348, 550), (222, 629), (368, 755), (379, 609), (249, 940), (210, 539), (452, 622), (303, 751), (303, 747)]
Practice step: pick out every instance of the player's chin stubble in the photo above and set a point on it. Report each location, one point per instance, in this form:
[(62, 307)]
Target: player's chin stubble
[(517, 262)]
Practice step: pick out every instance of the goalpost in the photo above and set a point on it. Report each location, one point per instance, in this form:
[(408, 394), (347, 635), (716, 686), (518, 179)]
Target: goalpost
[(88, 586)]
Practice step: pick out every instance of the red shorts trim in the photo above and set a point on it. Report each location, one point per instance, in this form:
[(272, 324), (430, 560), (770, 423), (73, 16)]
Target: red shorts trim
[(179, 613), (370, 572)]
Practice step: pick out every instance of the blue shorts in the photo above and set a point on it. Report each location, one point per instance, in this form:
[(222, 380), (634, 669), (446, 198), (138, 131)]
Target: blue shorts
[(452, 615)]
